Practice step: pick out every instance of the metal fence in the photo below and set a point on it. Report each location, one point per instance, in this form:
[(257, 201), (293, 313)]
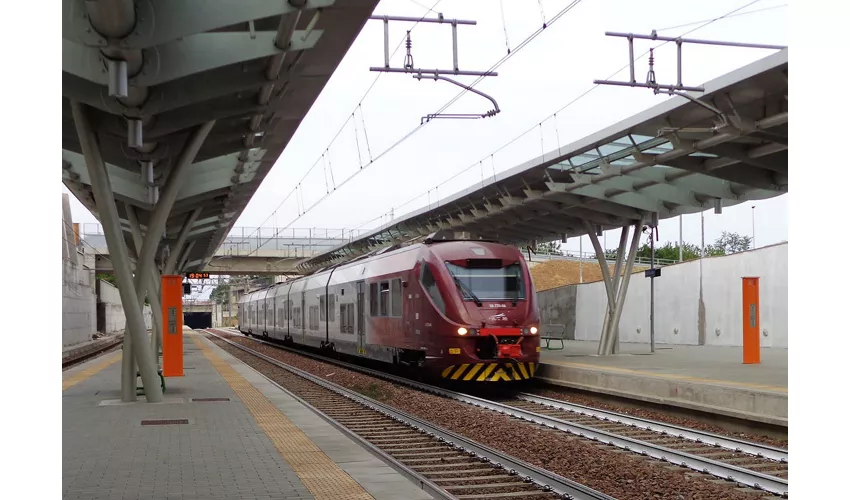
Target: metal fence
[(591, 257), (260, 241)]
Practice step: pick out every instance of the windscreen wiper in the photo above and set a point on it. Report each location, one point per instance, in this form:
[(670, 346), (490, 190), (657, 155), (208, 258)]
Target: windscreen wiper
[(467, 290)]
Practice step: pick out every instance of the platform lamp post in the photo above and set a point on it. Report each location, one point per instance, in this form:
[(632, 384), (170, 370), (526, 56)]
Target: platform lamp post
[(754, 225)]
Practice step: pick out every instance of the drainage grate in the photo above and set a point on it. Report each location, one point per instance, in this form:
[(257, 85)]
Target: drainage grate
[(206, 400), (166, 422)]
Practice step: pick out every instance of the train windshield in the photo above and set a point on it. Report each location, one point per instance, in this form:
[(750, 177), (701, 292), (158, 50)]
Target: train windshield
[(488, 283)]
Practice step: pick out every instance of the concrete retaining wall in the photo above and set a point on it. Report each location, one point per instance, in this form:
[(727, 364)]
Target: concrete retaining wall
[(78, 294), (688, 310), (78, 304), (110, 312)]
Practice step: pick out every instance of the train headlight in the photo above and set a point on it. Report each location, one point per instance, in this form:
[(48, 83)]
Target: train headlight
[(462, 331), (534, 330)]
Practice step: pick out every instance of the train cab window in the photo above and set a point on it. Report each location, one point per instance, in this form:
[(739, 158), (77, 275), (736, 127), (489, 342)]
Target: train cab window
[(373, 299), (385, 298), (396, 300), (489, 283), (429, 283)]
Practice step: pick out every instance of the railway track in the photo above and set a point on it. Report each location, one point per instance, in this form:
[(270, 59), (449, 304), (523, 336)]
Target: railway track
[(755, 466), (73, 361), (446, 464)]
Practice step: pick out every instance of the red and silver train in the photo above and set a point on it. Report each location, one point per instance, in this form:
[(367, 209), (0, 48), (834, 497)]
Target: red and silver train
[(454, 307)]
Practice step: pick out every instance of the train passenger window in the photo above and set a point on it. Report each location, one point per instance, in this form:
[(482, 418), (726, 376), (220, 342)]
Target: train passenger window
[(385, 298), (331, 307), (373, 299), (322, 308), (350, 318), (297, 313), (342, 319), (396, 297), (429, 283)]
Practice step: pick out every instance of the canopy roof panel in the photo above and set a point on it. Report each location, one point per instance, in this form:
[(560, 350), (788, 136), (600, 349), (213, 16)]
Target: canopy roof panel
[(255, 67), (678, 157)]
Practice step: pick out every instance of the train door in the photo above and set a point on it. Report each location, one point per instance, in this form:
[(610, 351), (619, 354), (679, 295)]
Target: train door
[(361, 317), (303, 317), (417, 339)]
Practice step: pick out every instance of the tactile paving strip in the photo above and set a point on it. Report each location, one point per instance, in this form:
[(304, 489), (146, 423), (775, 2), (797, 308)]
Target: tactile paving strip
[(82, 375), (322, 477)]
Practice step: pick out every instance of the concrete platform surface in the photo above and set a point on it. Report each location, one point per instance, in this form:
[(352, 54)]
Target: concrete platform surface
[(260, 445), (707, 378)]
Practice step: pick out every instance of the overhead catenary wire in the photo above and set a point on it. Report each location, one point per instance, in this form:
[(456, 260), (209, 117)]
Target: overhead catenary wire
[(492, 68), (702, 24), (341, 128)]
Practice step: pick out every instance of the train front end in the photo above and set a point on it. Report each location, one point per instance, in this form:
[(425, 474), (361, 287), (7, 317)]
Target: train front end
[(486, 325)]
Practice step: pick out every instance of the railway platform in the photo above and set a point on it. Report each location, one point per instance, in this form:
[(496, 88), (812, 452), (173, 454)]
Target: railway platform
[(710, 379), (223, 431)]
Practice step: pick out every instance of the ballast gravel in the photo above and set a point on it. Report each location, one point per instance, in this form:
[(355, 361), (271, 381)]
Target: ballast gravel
[(620, 474)]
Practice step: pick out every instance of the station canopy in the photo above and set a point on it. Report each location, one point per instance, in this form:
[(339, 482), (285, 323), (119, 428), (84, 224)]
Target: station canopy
[(151, 78), (678, 157)]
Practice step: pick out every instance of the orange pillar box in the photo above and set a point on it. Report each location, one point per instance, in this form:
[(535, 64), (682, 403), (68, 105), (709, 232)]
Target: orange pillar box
[(172, 330), (752, 349)]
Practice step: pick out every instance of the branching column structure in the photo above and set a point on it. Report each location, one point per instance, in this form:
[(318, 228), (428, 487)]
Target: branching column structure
[(119, 255), (615, 287)]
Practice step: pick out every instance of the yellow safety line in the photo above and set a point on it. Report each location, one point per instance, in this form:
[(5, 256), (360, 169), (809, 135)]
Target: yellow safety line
[(82, 375), (669, 376), (317, 471)]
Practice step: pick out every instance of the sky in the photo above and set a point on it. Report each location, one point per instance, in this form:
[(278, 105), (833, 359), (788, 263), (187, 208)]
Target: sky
[(357, 145)]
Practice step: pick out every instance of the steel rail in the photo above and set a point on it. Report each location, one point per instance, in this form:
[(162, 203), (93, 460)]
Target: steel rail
[(754, 479), (68, 363), (426, 484), (546, 480), (708, 438)]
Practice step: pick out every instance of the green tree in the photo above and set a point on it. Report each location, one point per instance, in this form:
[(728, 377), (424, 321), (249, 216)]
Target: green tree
[(729, 243), (221, 293), (549, 248)]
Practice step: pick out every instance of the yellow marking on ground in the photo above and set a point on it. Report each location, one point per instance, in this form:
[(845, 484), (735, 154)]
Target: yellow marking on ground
[(471, 373), (460, 371), (523, 370), (447, 371), (670, 376), (317, 471), (77, 377), (486, 372)]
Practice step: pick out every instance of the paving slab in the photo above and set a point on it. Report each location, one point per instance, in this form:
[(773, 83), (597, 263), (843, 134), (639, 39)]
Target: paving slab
[(220, 450)]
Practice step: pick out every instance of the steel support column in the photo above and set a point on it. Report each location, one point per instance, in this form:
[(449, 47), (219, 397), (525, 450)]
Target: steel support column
[(181, 241), (156, 224), (615, 287), (108, 212), (606, 279), (153, 278), (613, 336)]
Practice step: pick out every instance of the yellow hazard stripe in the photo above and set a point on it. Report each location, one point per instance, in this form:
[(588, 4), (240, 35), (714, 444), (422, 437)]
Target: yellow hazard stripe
[(523, 370), (460, 371), (447, 371), (471, 373), (500, 374), (486, 372)]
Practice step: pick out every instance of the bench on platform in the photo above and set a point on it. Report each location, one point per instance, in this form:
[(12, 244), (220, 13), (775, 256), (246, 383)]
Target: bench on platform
[(554, 332)]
